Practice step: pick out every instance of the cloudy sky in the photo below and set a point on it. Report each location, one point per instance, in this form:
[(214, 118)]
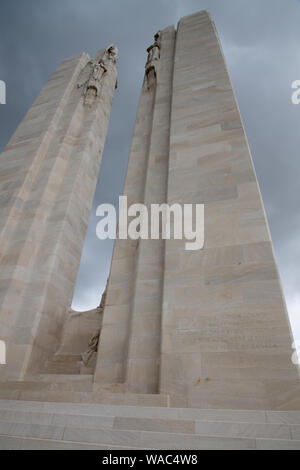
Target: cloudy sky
[(261, 41)]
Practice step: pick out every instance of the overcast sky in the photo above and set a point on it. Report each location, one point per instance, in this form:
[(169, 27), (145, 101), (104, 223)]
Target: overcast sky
[(261, 40)]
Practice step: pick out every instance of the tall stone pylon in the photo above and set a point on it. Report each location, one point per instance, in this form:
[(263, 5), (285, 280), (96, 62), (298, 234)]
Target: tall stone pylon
[(207, 328), (48, 174)]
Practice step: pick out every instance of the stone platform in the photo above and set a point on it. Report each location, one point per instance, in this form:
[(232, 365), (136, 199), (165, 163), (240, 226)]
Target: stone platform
[(76, 388), (35, 425)]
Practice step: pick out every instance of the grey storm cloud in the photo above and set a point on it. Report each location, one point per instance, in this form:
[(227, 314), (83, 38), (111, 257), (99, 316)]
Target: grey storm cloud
[(260, 40)]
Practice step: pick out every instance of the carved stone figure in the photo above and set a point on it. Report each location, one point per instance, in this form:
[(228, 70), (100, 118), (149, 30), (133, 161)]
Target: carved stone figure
[(94, 341), (92, 347), (92, 86), (153, 53)]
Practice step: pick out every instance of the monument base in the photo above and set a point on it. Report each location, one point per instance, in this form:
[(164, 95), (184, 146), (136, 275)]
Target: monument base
[(68, 426)]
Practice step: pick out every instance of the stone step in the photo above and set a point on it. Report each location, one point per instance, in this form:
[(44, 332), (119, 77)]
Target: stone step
[(28, 443), (64, 364), (17, 443), (210, 428), (65, 358), (40, 425), (101, 396), (122, 438), (62, 369), (82, 378), (139, 439), (59, 419), (124, 410), (163, 440), (201, 428), (76, 386)]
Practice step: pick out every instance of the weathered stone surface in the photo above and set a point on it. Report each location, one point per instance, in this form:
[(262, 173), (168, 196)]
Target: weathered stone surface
[(130, 342), (48, 174), (208, 328), (225, 338)]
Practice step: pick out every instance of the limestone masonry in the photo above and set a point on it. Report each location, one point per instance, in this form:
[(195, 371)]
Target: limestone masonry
[(177, 329)]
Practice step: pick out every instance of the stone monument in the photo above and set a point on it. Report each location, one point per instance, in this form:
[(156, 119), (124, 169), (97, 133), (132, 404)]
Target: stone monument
[(48, 174), (177, 329), (207, 328)]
